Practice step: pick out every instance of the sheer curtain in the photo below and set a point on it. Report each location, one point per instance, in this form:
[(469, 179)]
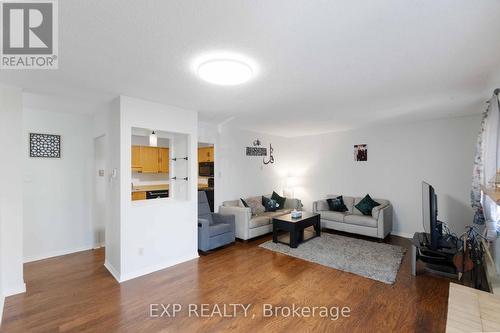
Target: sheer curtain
[(487, 160)]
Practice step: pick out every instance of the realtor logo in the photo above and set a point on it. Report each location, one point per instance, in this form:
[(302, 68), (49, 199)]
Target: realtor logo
[(29, 34)]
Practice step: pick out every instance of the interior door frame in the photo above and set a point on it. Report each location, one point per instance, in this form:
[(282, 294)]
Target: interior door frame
[(99, 235)]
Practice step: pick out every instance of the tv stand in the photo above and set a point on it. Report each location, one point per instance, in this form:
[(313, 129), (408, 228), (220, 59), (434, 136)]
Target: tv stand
[(439, 261)]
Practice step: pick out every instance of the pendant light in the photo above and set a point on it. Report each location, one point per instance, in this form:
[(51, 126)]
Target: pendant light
[(153, 139)]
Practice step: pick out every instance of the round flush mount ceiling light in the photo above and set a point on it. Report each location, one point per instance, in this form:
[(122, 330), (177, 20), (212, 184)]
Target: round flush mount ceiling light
[(225, 69)]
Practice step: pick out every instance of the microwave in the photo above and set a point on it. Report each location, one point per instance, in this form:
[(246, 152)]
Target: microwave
[(206, 169)]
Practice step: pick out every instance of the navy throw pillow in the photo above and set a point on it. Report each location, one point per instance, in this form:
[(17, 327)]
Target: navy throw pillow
[(279, 199), (337, 204), (269, 204), (366, 205)]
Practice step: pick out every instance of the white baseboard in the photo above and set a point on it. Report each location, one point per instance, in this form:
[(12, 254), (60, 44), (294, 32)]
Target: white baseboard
[(152, 269), (112, 271), (98, 246), (58, 253), (402, 234)]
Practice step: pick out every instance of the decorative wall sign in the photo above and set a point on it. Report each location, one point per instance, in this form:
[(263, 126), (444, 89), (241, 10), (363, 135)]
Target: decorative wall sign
[(361, 152), (256, 151), (260, 151), (271, 157), (45, 145)]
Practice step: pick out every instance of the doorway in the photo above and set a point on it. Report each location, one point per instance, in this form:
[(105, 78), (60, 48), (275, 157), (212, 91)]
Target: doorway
[(206, 171), (99, 219)]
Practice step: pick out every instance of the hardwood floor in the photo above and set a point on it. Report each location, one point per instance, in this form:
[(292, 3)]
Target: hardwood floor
[(75, 293)]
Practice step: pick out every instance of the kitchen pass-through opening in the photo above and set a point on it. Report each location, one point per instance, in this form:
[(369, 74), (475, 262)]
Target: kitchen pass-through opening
[(159, 164)]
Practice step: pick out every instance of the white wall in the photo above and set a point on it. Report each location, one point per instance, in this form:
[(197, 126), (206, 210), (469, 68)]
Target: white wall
[(207, 133), (100, 122), (109, 123), (11, 195), (400, 156), (58, 191), (241, 176), (154, 233)]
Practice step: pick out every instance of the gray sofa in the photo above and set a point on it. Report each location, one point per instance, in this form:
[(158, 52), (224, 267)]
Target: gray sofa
[(214, 230), (249, 226), (378, 225)]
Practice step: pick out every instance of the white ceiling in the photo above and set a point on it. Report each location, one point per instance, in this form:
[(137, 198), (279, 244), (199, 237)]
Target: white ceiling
[(323, 65)]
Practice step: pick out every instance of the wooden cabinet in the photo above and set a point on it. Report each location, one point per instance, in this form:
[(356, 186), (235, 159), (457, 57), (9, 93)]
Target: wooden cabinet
[(136, 159), (206, 154), (201, 156), (163, 160), (138, 196), (150, 159), (210, 154)]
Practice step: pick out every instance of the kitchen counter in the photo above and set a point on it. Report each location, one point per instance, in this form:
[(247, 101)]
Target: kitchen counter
[(164, 187), (145, 188), (204, 188)]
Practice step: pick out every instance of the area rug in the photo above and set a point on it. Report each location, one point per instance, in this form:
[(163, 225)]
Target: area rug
[(377, 261)]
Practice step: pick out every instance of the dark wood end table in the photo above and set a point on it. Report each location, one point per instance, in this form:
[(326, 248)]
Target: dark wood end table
[(296, 226)]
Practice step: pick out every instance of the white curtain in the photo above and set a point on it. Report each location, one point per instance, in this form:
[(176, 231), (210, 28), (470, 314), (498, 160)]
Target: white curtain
[(491, 144), (487, 157)]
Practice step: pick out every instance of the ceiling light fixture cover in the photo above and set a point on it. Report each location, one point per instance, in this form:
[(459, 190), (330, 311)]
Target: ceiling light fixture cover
[(224, 69), (153, 139)]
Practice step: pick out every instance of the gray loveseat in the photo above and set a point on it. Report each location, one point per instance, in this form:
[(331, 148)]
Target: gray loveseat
[(378, 225), (249, 226)]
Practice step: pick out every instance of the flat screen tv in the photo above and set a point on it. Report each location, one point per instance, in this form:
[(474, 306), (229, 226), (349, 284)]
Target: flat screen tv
[(429, 214)]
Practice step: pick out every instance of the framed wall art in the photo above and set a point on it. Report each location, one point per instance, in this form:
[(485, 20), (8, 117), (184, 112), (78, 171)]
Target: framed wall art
[(45, 145), (361, 153)]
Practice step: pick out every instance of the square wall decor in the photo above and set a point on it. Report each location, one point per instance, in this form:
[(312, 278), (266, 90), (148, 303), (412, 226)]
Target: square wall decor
[(45, 145)]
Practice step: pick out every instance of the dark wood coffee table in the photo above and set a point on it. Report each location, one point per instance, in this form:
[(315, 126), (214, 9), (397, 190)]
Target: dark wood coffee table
[(296, 226)]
